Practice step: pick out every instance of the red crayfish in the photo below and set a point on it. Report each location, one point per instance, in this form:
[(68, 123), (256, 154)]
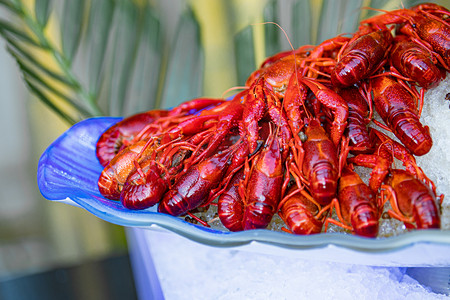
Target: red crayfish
[(291, 141)]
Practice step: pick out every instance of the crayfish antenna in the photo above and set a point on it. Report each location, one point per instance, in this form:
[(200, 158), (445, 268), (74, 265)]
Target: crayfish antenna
[(244, 88), (279, 26), (287, 38)]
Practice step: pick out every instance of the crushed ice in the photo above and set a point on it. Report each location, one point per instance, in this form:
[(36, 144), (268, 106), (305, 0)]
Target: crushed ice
[(188, 270)]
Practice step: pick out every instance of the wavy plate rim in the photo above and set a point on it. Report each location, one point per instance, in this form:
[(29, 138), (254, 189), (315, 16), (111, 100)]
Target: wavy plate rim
[(52, 188)]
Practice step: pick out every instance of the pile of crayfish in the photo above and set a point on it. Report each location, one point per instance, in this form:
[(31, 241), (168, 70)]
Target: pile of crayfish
[(289, 143)]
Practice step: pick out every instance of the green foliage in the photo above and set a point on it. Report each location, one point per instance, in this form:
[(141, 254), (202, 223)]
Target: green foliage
[(184, 78), (106, 57), (245, 54), (113, 57)]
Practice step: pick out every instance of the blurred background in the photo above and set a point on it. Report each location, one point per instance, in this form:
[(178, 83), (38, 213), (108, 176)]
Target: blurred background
[(65, 61)]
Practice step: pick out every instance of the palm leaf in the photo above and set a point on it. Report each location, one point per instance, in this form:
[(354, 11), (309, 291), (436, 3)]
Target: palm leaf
[(104, 59), (33, 75), (147, 73), (13, 32), (38, 56), (184, 78), (97, 36), (25, 55), (44, 98), (271, 33), (301, 27), (245, 54), (42, 11), (72, 27), (128, 20)]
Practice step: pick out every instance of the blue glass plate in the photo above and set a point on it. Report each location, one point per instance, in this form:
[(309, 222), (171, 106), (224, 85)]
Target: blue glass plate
[(68, 171)]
